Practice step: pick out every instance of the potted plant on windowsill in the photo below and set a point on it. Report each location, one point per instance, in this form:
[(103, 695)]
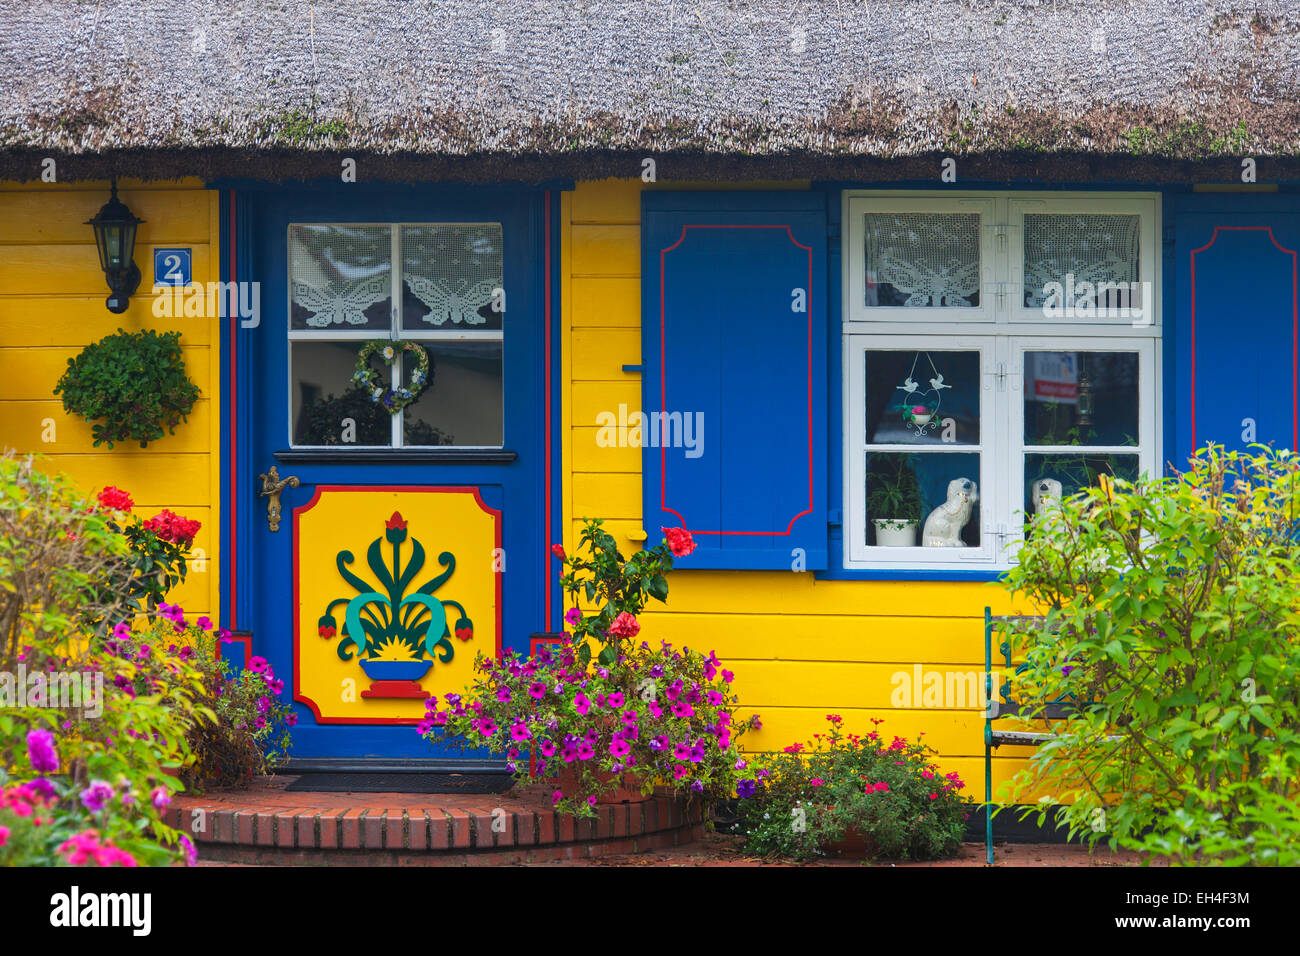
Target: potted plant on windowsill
[(894, 493)]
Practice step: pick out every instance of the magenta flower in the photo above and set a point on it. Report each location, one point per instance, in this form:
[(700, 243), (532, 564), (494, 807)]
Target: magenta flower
[(40, 751), (619, 748), (581, 704), (291, 720), (714, 698), (681, 751), (519, 732), (585, 750), (556, 797), (573, 616), (191, 854), (257, 665), (682, 709), (537, 690), (203, 624), (96, 796), (615, 699), (547, 748)]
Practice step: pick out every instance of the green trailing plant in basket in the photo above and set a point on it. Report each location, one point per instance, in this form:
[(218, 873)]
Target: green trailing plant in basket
[(131, 386)]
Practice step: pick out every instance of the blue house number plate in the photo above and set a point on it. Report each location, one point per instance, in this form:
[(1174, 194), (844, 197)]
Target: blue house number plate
[(172, 267)]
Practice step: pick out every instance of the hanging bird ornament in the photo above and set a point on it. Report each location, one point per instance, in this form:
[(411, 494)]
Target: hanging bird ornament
[(921, 408)]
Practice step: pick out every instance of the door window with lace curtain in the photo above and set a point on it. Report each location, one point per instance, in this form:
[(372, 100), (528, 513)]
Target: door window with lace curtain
[(438, 285)]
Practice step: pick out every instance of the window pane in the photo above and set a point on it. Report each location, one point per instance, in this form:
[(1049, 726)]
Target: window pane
[(462, 404), (325, 398), (903, 490), (1073, 472), (923, 260), (340, 277), (1081, 398), (923, 398), (450, 273), (1088, 256)]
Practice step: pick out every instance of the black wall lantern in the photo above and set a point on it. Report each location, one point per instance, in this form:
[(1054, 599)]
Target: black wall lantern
[(115, 227)]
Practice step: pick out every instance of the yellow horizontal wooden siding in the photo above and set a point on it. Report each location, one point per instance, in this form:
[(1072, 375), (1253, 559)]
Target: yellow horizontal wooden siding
[(52, 295), (800, 648)]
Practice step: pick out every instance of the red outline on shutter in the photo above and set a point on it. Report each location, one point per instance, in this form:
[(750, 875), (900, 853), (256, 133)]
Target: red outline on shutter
[(1295, 327), (663, 377)]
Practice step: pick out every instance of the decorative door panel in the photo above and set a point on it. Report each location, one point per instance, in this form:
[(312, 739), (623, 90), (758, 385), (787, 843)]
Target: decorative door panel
[(396, 590)]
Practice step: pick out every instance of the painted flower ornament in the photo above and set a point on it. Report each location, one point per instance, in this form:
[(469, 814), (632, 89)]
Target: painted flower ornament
[(392, 399)]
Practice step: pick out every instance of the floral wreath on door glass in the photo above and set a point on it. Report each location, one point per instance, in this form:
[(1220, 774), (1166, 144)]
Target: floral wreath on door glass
[(392, 399), (920, 407)]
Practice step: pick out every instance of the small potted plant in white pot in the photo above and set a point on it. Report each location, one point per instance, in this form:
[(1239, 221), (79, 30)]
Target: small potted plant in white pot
[(894, 498)]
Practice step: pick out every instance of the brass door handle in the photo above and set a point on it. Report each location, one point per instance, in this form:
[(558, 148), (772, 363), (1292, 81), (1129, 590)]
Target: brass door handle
[(272, 485)]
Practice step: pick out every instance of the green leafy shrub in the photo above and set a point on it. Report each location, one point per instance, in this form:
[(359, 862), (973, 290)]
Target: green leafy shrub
[(134, 381), (105, 723), (56, 552), (889, 800), (1172, 619), (250, 735)]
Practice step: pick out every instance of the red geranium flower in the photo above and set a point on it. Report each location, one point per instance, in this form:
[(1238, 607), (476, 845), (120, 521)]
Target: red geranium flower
[(173, 527), (680, 542), (558, 551), (115, 499)]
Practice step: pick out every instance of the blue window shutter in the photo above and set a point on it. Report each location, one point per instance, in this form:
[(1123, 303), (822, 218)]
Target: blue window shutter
[(733, 318)]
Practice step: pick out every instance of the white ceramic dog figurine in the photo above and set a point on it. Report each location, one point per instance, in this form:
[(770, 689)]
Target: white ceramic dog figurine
[(943, 527), (1047, 495)]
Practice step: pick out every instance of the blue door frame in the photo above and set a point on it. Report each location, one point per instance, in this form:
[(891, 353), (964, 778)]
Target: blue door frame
[(258, 585)]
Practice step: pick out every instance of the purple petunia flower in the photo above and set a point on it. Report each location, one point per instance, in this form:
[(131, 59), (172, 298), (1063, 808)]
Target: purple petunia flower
[(537, 690), (746, 788), (257, 665)]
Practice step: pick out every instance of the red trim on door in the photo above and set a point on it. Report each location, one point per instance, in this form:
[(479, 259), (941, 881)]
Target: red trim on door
[(663, 377), (406, 489), (1295, 326)]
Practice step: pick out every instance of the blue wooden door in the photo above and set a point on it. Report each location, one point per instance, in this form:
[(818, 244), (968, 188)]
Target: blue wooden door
[(1237, 323), (466, 267)]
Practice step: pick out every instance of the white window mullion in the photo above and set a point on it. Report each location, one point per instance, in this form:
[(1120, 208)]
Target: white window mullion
[(396, 333)]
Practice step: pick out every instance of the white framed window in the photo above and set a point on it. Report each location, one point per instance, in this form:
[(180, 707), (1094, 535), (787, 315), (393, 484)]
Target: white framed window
[(960, 398), (340, 295)]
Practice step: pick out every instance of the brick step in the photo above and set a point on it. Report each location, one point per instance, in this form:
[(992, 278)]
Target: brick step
[(266, 824)]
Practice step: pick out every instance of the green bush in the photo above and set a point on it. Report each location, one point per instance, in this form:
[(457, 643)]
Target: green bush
[(1172, 617), (134, 381), (90, 739), (891, 798)]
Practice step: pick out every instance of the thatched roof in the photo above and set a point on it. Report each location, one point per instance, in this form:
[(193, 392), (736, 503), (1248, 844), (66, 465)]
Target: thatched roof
[(541, 89)]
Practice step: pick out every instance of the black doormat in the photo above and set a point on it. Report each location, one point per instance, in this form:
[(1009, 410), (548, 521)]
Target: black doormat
[(401, 783)]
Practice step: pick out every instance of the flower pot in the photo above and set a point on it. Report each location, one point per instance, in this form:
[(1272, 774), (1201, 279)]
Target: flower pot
[(895, 533), (854, 844), (922, 419), (615, 788)]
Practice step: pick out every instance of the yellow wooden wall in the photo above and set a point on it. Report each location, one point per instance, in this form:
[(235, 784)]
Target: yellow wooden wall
[(801, 648), (52, 295)]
